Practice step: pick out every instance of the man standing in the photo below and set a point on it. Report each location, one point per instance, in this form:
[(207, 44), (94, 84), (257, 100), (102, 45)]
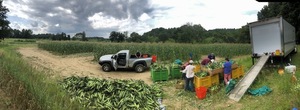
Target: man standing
[(189, 70), (227, 71)]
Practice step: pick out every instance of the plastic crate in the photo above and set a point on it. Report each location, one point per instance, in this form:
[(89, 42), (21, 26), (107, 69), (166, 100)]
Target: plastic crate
[(159, 75), (216, 71), (215, 79), (234, 66), (241, 71), (235, 73), (205, 81), (175, 73), (197, 68)]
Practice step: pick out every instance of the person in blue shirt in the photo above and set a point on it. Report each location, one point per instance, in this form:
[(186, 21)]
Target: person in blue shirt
[(227, 71)]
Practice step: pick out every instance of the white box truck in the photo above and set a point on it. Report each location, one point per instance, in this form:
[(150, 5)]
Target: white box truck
[(273, 36)]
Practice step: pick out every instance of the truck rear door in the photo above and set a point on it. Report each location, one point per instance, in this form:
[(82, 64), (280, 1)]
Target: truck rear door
[(266, 38)]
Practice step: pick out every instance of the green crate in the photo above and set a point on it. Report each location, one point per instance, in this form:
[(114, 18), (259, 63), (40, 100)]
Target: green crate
[(175, 73), (159, 75)]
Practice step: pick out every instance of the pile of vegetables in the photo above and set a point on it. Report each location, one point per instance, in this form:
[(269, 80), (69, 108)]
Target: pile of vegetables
[(174, 65), (215, 65), (159, 66), (201, 74), (214, 88), (116, 94)]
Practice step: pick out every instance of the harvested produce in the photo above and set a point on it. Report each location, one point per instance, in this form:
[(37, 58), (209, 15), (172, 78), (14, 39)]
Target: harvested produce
[(115, 94), (201, 74)]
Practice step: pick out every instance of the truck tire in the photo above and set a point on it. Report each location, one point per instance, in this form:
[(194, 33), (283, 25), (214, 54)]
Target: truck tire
[(106, 67), (139, 68)]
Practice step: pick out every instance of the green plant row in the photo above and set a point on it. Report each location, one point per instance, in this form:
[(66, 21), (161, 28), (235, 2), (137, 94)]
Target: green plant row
[(163, 51)]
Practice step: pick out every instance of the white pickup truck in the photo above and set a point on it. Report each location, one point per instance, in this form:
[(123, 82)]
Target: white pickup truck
[(123, 59)]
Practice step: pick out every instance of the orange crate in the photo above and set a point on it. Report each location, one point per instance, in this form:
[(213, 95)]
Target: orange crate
[(215, 79), (205, 81)]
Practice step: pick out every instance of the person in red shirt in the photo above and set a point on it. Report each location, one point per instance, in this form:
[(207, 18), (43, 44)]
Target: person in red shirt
[(205, 61)]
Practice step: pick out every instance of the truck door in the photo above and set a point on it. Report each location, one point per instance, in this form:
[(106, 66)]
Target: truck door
[(114, 62), (121, 60)]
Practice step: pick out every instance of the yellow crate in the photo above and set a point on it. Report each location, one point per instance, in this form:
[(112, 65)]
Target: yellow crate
[(197, 68), (235, 73), (215, 79), (205, 81), (241, 71)]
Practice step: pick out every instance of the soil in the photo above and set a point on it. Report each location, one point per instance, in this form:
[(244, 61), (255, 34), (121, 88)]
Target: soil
[(78, 65), (5, 102)]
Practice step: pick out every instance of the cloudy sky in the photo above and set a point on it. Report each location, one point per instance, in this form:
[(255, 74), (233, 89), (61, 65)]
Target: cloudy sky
[(100, 17)]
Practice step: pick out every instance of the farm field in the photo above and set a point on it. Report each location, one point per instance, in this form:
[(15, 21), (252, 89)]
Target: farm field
[(77, 65), (58, 66)]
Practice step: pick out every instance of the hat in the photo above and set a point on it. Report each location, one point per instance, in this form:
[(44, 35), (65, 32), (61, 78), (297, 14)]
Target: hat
[(191, 61)]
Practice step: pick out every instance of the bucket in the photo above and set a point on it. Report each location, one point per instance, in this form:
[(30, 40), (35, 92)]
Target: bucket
[(201, 92), (154, 58)]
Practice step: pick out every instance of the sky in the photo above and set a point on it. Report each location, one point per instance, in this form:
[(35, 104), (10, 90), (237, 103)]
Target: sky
[(98, 18)]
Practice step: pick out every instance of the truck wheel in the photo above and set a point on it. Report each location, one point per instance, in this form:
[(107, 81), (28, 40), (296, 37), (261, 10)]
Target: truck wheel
[(139, 68), (106, 67)]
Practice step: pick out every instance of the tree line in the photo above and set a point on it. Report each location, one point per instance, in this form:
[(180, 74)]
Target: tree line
[(187, 33)]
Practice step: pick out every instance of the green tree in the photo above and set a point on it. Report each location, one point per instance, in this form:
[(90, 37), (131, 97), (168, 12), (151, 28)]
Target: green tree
[(4, 23), (135, 37), (26, 33), (116, 37)]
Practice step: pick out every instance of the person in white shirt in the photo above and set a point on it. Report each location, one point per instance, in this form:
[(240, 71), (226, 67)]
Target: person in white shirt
[(189, 70)]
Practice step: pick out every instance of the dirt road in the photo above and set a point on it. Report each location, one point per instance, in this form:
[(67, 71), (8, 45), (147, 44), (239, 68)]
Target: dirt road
[(65, 66)]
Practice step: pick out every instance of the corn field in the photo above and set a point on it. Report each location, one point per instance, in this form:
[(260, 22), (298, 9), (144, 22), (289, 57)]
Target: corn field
[(163, 51)]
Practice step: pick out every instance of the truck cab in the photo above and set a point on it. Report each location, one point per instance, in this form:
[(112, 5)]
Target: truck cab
[(123, 59)]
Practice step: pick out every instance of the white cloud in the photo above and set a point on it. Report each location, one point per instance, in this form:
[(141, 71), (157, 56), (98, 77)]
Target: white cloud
[(211, 14), (144, 17), (67, 11), (99, 21)]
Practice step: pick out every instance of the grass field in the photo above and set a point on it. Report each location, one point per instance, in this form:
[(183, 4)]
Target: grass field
[(46, 94)]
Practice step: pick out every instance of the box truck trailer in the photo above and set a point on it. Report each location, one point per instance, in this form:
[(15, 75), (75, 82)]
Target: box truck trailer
[(274, 36)]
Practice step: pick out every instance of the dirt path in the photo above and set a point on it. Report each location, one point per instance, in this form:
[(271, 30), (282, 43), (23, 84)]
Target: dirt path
[(65, 66)]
